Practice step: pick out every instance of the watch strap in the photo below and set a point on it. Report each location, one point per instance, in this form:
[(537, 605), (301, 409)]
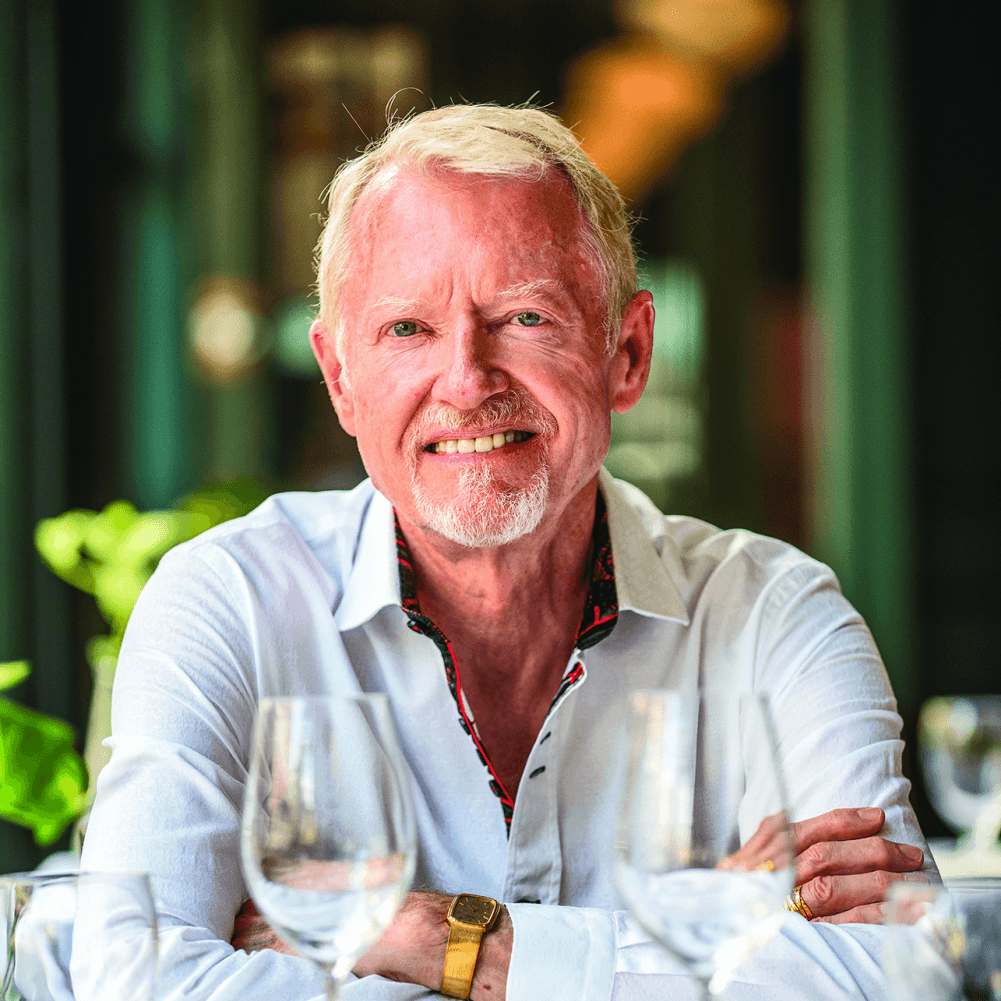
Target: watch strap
[(461, 953)]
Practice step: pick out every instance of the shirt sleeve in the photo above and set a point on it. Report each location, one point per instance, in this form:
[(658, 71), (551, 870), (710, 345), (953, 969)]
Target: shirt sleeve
[(604, 954), (169, 801), (838, 735), (835, 716)]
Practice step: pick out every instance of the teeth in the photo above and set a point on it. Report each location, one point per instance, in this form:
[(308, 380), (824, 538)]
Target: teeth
[(486, 443)]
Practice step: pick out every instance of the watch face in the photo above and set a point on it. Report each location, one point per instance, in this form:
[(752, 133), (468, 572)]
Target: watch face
[(472, 910)]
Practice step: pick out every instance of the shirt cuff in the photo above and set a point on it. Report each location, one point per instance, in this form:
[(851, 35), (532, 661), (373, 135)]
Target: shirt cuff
[(561, 953)]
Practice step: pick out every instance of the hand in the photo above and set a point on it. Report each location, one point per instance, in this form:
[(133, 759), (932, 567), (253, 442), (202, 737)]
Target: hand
[(252, 933), (844, 870), (412, 949)]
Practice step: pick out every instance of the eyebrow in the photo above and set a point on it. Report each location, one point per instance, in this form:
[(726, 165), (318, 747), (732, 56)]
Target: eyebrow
[(548, 287), (396, 303), (541, 286)]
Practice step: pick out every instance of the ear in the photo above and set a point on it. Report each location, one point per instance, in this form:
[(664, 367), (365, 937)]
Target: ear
[(630, 364), (325, 350)]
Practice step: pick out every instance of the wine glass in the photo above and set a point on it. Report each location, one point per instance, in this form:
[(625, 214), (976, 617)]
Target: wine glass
[(88, 936), (328, 841), (679, 863), (960, 745), (944, 942)]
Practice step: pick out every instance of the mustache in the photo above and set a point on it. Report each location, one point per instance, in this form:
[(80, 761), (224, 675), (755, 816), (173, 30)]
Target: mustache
[(514, 406)]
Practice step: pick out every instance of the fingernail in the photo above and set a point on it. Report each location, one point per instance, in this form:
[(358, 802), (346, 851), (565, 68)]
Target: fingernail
[(870, 813), (915, 877), (912, 852)]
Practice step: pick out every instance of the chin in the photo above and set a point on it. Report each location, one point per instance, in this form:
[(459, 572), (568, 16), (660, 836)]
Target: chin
[(483, 514)]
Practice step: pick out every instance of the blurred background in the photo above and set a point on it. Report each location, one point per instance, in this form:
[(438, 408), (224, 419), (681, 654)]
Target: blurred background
[(814, 225)]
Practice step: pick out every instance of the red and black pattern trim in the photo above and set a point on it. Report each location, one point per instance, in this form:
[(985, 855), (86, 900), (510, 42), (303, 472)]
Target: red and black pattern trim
[(420, 623), (601, 612), (601, 609)]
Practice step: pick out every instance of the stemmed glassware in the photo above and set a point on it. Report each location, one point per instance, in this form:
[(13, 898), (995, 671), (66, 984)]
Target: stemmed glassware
[(679, 863), (78, 936), (960, 744), (328, 841), (944, 942)]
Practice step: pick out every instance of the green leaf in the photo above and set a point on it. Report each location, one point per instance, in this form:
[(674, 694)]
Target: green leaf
[(43, 781), (12, 673)]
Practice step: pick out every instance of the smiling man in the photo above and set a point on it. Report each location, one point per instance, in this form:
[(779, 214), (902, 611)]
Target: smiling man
[(479, 322)]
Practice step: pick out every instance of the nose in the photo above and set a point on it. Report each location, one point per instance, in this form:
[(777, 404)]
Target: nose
[(469, 372)]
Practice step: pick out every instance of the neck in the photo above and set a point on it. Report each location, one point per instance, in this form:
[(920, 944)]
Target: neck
[(507, 594)]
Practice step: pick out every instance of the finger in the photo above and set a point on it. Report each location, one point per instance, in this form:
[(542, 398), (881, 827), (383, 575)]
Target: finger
[(830, 895), (851, 857), (837, 825), (769, 844), (865, 914)]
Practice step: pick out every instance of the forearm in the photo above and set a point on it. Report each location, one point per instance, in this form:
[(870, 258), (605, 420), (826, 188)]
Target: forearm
[(412, 949)]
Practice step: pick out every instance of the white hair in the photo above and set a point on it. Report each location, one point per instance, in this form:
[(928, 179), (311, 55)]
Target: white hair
[(522, 142)]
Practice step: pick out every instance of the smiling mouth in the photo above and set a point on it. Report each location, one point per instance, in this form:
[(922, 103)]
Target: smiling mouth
[(485, 443)]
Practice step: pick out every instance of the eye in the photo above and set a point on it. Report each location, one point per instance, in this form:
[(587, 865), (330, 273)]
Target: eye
[(405, 328), (528, 319)]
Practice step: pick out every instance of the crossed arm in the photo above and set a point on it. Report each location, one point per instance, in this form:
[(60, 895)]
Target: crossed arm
[(843, 867)]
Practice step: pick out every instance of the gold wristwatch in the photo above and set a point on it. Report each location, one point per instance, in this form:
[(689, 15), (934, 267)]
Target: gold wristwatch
[(468, 918)]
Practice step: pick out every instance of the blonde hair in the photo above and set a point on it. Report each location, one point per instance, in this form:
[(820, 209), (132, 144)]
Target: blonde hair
[(521, 142)]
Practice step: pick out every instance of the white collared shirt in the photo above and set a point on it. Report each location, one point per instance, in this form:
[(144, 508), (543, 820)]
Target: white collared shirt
[(303, 597)]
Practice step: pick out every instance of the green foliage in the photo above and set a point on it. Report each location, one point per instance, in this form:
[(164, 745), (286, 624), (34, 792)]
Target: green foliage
[(112, 553), (109, 554), (12, 673), (43, 781)]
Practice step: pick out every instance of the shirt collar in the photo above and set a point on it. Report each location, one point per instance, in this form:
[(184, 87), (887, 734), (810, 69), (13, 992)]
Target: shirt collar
[(648, 570), (646, 576), (601, 607), (373, 582)]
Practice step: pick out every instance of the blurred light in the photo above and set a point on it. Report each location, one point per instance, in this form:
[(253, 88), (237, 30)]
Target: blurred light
[(290, 340), (659, 441), (225, 329), (637, 106), (734, 34), (639, 101)]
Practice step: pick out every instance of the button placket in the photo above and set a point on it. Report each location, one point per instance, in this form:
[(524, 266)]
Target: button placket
[(534, 864), (535, 860)]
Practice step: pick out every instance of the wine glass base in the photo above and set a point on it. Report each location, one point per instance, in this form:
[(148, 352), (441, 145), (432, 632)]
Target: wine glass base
[(956, 859)]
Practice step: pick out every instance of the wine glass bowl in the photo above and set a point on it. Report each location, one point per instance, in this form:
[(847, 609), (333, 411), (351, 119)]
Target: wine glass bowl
[(89, 936), (680, 865), (960, 739), (943, 942), (328, 843)]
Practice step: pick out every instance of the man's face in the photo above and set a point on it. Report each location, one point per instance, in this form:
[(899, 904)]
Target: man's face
[(477, 381)]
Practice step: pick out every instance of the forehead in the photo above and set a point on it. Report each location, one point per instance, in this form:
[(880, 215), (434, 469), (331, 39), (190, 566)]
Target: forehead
[(438, 227)]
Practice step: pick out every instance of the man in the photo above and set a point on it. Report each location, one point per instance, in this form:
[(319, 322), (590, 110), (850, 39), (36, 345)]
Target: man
[(479, 321)]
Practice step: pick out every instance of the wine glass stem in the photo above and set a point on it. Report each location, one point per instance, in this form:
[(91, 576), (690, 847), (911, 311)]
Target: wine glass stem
[(332, 984), (702, 989)]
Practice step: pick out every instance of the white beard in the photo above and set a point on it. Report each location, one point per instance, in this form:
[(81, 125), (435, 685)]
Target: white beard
[(482, 513)]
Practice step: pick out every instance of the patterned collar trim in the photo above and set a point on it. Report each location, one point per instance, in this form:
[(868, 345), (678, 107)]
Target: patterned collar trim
[(601, 612)]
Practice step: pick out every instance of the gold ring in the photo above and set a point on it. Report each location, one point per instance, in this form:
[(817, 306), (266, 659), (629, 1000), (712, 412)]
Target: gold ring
[(798, 904), (767, 866)]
